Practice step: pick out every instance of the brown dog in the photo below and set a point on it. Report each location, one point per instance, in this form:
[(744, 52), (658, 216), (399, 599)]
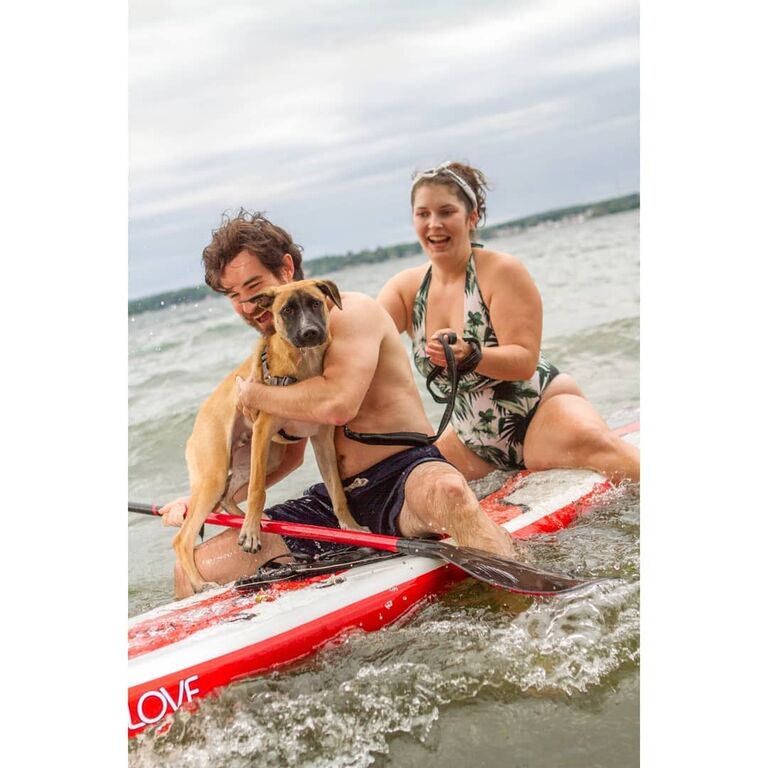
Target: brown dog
[(293, 352)]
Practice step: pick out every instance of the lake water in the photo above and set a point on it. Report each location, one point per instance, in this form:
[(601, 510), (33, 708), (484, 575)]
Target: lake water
[(530, 683)]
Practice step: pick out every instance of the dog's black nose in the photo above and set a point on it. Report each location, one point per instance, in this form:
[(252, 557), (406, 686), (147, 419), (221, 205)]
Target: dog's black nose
[(310, 336)]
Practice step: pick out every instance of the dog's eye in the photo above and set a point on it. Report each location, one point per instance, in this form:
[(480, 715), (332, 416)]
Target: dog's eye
[(286, 311), (316, 303)]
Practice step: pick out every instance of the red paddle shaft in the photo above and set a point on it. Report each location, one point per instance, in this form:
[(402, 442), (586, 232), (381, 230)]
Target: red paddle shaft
[(497, 571), (299, 530)]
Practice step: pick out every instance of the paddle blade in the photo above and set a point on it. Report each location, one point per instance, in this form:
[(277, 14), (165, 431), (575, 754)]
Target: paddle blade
[(498, 571)]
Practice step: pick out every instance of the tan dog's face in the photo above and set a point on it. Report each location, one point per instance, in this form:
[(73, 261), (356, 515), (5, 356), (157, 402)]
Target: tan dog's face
[(300, 310)]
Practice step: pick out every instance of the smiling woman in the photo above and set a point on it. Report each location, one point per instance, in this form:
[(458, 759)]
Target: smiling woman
[(514, 409)]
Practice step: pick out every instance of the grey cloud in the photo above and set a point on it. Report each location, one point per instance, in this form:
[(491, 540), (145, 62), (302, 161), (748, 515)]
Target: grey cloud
[(285, 112)]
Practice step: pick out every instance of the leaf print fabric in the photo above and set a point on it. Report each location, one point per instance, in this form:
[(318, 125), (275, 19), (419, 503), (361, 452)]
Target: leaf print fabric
[(490, 417)]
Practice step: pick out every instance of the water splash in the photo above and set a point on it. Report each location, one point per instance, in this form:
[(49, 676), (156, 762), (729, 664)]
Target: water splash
[(343, 707)]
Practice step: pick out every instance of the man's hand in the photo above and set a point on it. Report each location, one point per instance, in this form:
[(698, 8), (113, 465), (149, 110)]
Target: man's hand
[(436, 353), (173, 512), (246, 398)]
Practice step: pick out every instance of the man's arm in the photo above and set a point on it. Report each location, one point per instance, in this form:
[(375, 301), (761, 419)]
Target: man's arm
[(348, 368)]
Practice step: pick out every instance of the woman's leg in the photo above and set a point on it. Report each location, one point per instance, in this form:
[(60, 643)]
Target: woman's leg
[(468, 463), (567, 431)]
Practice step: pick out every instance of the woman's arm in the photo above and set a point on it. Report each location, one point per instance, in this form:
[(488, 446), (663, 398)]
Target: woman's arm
[(515, 307), (514, 303)]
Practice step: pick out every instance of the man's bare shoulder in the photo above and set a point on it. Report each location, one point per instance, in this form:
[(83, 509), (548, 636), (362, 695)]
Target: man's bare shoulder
[(355, 297), (356, 302), (358, 307)]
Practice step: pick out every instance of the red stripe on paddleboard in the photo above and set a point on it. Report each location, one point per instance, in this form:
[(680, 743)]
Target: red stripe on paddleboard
[(563, 516), (496, 508), (176, 625), (154, 701), (627, 429)]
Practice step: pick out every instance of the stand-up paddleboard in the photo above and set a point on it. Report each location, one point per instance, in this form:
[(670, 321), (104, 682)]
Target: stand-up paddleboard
[(181, 652)]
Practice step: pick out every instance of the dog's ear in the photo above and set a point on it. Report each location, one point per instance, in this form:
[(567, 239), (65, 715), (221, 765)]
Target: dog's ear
[(328, 287)]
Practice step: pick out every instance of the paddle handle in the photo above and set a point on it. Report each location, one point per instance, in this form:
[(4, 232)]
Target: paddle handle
[(297, 530)]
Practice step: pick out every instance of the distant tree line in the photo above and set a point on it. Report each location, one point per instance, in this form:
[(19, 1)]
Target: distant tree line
[(589, 211), (170, 298), (325, 264)]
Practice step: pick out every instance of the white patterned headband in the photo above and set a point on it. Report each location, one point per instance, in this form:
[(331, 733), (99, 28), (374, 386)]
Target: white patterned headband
[(444, 169)]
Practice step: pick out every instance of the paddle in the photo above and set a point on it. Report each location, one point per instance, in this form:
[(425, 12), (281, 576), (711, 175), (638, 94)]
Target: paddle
[(493, 570)]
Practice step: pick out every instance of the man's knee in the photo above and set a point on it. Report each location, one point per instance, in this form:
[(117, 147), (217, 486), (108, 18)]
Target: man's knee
[(455, 510), (452, 490), (435, 494)]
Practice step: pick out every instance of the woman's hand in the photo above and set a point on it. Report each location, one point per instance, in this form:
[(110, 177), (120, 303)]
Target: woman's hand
[(436, 354), (173, 512)]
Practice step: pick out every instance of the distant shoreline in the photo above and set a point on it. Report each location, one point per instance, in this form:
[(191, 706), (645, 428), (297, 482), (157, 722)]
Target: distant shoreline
[(324, 264)]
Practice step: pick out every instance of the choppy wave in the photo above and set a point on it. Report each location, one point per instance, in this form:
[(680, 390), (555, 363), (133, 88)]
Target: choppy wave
[(619, 338)]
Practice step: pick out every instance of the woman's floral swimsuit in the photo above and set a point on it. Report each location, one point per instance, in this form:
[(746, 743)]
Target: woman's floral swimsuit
[(490, 417)]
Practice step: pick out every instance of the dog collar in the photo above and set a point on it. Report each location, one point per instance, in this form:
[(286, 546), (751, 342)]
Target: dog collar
[(275, 381)]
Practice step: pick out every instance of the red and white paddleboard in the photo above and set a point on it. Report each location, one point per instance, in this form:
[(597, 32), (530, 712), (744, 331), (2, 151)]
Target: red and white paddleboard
[(180, 652)]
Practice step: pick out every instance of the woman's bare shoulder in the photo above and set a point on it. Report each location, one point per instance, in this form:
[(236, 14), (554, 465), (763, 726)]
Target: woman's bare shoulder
[(398, 295), (502, 272), (408, 280), (498, 265), (499, 259)]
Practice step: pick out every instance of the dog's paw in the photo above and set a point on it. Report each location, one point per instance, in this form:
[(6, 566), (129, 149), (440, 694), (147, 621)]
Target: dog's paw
[(249, 541), (353, 525), (204, 586)]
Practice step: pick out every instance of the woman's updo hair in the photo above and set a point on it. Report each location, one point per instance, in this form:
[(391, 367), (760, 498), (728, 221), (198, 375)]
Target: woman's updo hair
[(443, 174)]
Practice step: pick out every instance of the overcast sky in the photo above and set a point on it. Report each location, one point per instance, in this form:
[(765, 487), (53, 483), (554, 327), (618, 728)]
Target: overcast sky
[(319, 112)]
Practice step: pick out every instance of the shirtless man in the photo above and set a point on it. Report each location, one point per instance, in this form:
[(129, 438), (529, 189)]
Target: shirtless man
[(367, 385)]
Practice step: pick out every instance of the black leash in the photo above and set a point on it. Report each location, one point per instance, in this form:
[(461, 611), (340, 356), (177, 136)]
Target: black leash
[(419, 439)]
